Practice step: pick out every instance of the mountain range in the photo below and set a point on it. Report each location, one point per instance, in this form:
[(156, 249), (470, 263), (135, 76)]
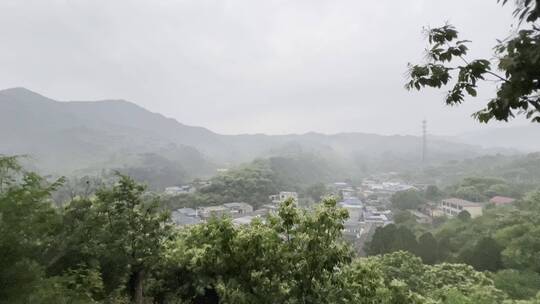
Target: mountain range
[(77, 137)]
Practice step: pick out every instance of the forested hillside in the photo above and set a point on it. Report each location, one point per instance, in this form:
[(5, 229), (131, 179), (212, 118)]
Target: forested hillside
[(74, 138), (254, 182), (518, 169)]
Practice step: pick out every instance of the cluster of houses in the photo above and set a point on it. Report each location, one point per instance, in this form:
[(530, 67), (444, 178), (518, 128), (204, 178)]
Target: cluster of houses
[(364, 215), (177, 190), (368, 206), (241, 213), (374, 191), (373, 210), (190, 216), (377, 191), (383, 190), (361, 224), (363, 219), (186, 189), (452, 207), (283, 196)]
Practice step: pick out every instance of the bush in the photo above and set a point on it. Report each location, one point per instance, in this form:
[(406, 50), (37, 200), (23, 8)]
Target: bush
[(519, 285)]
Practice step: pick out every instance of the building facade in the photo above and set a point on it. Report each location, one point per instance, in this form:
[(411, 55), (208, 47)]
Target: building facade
[(282, 196), (453, 206), (237, 209), (212, 211)]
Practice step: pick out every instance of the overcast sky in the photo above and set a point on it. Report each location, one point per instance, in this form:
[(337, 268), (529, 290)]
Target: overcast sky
[(247, 66)]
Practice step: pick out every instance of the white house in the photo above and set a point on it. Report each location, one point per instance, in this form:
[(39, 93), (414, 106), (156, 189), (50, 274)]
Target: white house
[(175, 190), (238, 209), (453, 206), (282, 196)]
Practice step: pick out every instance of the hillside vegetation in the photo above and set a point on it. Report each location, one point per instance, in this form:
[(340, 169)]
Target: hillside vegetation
[(117, 247)]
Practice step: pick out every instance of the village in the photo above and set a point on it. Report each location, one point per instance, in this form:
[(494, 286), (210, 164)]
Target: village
[(368, 204)]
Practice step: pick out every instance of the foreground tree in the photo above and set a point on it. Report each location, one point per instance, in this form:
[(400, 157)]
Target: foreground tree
[(29, 228), (133, 230), (289, 258), (520, 285), (119, 233), (441, 283), (517, 60)]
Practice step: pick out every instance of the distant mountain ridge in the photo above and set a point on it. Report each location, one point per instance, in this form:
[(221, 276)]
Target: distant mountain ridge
[(64, 137)]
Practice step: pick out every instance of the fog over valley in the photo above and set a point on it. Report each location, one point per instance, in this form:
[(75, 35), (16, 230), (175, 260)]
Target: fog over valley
[(66, 137), (269, 152)]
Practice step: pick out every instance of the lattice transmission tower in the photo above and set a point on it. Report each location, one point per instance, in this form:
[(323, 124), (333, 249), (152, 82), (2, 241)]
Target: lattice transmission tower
[(424, 141)]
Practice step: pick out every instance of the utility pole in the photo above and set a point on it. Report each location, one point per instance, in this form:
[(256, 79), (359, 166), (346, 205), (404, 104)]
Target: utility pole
[(424, 141)]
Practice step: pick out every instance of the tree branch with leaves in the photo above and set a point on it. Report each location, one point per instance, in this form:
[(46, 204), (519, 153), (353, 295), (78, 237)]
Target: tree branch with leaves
[(515, 68)]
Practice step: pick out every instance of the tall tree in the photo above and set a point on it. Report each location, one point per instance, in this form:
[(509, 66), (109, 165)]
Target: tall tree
[(427, 248), (133, 229), (432, 192), (485, 255), (293, 257), (9, 169), (28, 227), (382, 240), (408, 199), (391, 238)]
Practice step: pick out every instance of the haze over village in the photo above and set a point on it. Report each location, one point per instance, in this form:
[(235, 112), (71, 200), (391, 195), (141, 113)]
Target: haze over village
[(269, 152)]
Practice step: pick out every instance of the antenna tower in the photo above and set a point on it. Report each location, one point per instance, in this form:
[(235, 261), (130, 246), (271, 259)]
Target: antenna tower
[(424, 141)]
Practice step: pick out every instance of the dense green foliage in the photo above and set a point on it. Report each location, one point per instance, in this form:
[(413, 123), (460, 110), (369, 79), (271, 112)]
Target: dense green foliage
[(409, 199), (518, 173), (504, 240), (518, 284), (251, 183), (115, 247), (391, 238), (254, 182), (159, 171), (478, 189), (28, 226), (92, 249)]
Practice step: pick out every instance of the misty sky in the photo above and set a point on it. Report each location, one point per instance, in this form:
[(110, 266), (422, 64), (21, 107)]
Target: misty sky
[(247, 66)]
